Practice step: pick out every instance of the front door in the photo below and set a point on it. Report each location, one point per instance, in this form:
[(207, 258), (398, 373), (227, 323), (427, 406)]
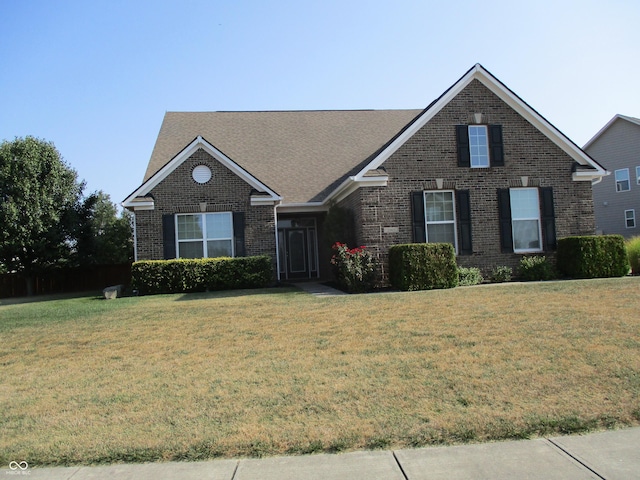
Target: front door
[(298, 249)]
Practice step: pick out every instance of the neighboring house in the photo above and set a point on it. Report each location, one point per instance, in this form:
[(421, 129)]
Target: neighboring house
[(478, 168), (617, 198)]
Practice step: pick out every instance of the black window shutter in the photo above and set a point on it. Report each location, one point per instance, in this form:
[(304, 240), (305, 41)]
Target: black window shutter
[(504, 213), (169, 236), (238, 234), (548, 218), (495, 146), (464, 222), (417, 212), (462, 140)]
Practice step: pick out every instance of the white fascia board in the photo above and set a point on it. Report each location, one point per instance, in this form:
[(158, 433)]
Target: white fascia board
[(263, 200), (588, 176), (309, 207), (351, 184), (198, 143), (478, 72)]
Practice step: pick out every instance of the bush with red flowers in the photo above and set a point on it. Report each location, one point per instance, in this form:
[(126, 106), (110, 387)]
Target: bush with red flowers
[(354, 268)]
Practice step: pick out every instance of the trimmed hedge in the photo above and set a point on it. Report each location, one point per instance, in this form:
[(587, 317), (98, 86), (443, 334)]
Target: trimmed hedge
[(423, 266), (198, 275), (597, 256)]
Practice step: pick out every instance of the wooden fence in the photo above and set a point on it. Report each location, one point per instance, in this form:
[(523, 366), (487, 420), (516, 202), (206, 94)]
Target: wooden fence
[(70, 280)]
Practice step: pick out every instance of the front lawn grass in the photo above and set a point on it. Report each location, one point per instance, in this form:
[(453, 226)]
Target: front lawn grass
[(278, 371)]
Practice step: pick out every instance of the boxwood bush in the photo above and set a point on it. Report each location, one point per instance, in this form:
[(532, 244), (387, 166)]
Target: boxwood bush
[(536, 268), (423, 266), (469, 276), (597, 256), (199, 275)]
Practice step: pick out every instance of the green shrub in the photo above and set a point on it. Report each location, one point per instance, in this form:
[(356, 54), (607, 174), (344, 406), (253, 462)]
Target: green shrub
[(199, 275), (592, 256), (633, 253), (469, 276), (500, 274), (423, 266), (354, 268), (536, 268)]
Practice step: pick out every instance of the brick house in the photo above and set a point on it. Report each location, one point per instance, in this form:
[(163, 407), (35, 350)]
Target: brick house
[(478, 168)]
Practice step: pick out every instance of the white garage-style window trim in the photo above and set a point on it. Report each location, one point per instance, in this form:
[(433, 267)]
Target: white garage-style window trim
[(204, 235), (440, 217), (525, 220)]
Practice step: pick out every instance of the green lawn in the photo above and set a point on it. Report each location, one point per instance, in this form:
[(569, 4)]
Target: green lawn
[(279, 371)]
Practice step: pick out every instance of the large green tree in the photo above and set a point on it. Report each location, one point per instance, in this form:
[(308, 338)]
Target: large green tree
[(38, 190), (101, 236)]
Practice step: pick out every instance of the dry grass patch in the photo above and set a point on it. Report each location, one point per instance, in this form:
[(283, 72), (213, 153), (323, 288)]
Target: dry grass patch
[(280, 372)]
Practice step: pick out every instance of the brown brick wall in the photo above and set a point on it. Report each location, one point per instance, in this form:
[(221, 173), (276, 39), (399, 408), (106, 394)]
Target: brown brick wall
[(432, 153), (225, 192)]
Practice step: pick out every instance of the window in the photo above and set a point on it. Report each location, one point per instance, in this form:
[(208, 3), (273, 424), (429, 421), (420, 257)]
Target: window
[(525, 220), (205, 235), (479, 146), (439, 209), (630, 218), (622, 180), (638, 175)]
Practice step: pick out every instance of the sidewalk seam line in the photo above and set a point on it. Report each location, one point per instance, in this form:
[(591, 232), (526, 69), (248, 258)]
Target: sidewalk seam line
[(235, 470), (566, 452), (399, 465)]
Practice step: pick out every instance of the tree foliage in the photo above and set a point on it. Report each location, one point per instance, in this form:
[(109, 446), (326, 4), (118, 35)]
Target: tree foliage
[(101, 236), (37, 191), (45, 221)]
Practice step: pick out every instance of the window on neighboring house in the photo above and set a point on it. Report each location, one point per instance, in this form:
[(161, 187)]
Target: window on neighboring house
[(622, 180), (479, 146), (442, 216), (630, 218), (527, 219), (638, 175), (204, 235)]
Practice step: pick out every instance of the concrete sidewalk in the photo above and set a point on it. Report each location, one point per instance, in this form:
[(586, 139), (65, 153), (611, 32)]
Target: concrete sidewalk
[(610, 455)]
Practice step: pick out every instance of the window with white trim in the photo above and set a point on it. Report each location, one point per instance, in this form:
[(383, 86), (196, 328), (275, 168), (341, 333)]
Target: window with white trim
[(630, 218), (204, 235), (638, 175), (622, 180), (525, 220), (479, 146), (440, 217)]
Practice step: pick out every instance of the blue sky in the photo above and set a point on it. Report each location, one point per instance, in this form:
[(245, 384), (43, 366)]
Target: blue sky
[(96, 77)]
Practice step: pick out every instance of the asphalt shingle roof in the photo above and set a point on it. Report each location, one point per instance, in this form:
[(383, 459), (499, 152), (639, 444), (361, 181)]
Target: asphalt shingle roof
[(301, 155)]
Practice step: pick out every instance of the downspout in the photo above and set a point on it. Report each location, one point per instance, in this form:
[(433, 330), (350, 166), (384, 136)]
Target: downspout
[(275, 228), (135, 236)]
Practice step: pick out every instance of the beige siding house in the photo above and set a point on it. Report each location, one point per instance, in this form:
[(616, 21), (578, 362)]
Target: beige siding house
[(478, 168)]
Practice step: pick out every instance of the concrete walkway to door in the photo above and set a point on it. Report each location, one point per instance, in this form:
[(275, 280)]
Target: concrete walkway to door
[(318, 289)]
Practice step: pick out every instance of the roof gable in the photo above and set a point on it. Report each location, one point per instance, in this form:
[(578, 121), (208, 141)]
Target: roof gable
[(138, 199), (633, 120), (478, 72)]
